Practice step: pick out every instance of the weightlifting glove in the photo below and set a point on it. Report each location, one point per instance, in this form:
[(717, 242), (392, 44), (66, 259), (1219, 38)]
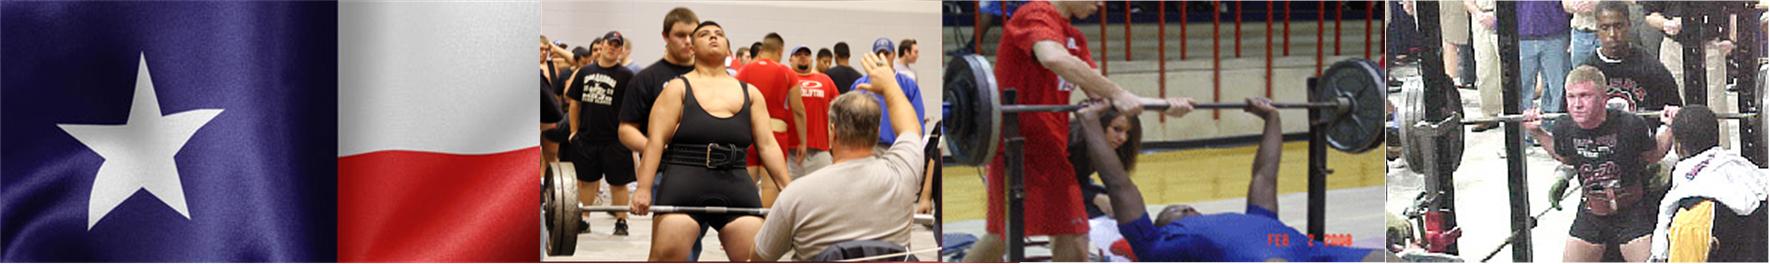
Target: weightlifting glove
[(1560, 187)]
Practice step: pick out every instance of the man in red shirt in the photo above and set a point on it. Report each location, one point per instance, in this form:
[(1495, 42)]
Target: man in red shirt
[(785, 109), (1046, 58), (816, 91)]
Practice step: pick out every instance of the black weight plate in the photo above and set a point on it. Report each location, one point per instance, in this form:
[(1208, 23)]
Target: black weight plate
[(562, 239), (1360, 127), (973, 111), (1416, 100)]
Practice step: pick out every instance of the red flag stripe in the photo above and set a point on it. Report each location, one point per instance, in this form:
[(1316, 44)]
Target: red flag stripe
[(401, 205)]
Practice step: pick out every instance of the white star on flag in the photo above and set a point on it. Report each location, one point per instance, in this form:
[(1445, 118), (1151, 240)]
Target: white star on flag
[(138, 153)]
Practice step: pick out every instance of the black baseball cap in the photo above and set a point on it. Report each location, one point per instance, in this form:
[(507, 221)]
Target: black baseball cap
[(614, 38)]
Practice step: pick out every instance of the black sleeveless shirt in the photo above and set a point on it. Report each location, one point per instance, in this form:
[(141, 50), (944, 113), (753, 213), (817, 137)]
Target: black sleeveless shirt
[(697, 127)]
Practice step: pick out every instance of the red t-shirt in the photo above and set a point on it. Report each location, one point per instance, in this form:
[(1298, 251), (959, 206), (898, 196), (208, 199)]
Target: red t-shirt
[(817, 90), (773, 79), (1049, 177)]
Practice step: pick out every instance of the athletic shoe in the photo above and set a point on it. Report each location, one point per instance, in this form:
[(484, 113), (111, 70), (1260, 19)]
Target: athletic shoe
[(621, 227)]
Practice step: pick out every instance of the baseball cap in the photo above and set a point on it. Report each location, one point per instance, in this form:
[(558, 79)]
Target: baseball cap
[(800, 48), (614, 38), (883, 44)]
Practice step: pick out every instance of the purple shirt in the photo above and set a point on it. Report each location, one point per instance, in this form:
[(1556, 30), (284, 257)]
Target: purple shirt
[(1537, 19)]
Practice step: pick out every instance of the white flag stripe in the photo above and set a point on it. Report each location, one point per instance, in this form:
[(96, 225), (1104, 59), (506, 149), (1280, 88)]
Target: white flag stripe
[(451, 77)]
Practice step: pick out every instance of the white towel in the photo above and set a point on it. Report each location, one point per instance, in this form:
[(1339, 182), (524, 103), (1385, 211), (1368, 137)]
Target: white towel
[(1717, 174)]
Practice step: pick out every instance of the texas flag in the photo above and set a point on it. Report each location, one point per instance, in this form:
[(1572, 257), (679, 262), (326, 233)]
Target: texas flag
[(267, 131)]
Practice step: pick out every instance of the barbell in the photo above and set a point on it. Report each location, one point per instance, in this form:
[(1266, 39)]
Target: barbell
[(1547, 116), (920, 219), (666, 209), (559, 202), (1351, 97), (1446, 129), (1164, 106)]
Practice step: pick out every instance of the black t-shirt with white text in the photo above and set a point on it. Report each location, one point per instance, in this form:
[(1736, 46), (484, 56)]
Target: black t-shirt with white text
[(598, 91), (1613, 149)]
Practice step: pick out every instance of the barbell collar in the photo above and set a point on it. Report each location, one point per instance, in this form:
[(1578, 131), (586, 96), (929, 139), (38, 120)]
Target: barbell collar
[(1440, 127)]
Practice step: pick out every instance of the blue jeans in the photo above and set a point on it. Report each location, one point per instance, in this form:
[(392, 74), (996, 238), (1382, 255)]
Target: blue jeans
[(1583, 46), (1547, 57)]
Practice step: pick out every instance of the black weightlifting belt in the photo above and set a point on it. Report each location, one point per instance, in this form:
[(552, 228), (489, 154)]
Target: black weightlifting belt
[(711, 156)]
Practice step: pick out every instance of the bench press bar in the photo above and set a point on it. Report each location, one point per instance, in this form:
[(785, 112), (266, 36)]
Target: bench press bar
[(920, 219)]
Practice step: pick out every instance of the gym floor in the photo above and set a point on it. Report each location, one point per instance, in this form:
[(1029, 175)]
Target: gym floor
[(1216, 180)]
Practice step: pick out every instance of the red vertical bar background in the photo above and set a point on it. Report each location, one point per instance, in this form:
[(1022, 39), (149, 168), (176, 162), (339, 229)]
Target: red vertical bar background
[(1320, 35), (1339, 12), (1287, 28), (1127, 30), (1269, 11), (1370, 13), (1216, 57), (1381, 47), (1237, 15), (977, 24), (1161, 54), (1183, 30)]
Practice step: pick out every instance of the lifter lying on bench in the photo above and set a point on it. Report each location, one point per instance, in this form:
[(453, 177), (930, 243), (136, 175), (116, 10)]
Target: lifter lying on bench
[(1181, 233)]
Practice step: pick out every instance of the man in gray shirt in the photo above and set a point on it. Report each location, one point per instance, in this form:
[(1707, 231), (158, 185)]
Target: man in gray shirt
[(863, 195)]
